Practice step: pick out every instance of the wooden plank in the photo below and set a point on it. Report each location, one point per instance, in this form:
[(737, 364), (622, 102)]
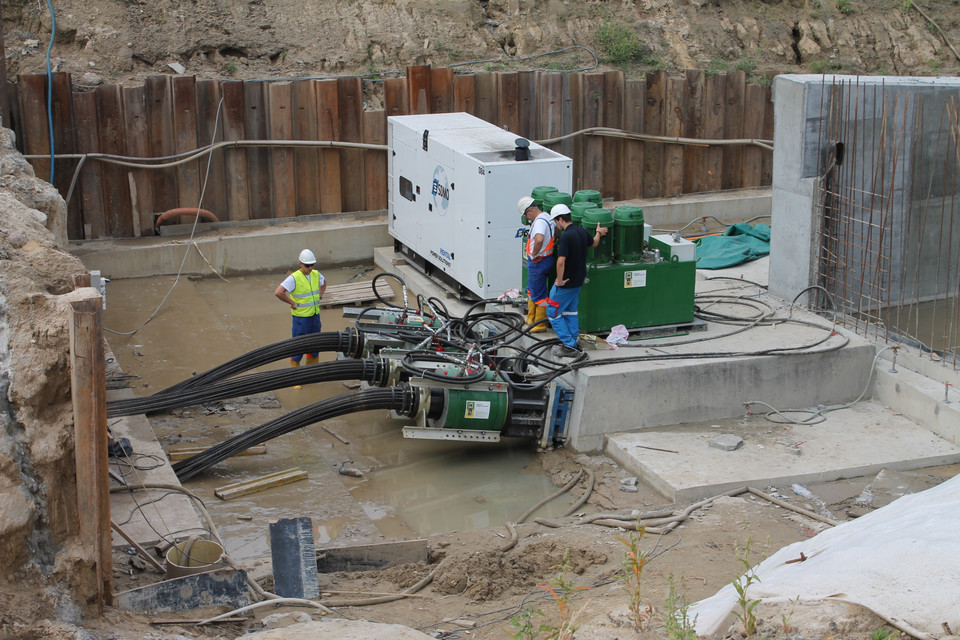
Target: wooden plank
[(591, 165), (674, 103), (350, 100), (375, 162), (185, 126), (753, 113), (418, 89), (354, 293), (258, 159), (527, 111), (235, 160), (766, 167), (572, 118), (464, 99), (631, 174), (182, 453), (118, 214), (395, 100), (32, 93), (90, 183), (328, 128), (713, 99), (485, 97), (210, 125), (138, 145), (65, 141), (159, 102), (735, 86), (693, 157), (269, 481), (551, 107), (89, 397), (368, 557), (508, 97), (612, 148), (653, 124), (441, 90), (280, 127), (306, 162)]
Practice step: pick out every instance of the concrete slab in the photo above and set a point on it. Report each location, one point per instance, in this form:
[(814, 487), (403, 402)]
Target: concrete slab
[(862, 440)]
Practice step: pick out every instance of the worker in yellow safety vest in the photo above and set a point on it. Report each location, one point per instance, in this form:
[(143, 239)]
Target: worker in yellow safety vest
[(539, 255), (302, 291)]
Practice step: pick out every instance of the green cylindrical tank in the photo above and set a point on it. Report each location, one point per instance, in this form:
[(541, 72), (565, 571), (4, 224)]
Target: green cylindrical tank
[(556, 197), (592, 218), (577, 210), (465, 409), (627, 234), (539, 193), (588, 195)]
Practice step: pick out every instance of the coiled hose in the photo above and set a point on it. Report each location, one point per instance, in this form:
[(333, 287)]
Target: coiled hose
[(403, 399), (370, 370)]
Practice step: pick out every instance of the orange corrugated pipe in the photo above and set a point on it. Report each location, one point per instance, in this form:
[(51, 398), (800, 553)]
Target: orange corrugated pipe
[(183, 211)]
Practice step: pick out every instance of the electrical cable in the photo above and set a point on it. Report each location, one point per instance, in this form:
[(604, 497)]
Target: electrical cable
[(193, 231), (402, 399)]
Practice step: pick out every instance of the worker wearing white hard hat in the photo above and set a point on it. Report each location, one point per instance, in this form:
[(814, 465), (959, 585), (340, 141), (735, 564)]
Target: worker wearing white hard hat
[(539, 257), (302, 291)]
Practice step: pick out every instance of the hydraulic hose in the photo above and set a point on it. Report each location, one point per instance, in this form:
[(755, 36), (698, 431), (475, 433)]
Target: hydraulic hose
[(403, 399), (348, 343), (370, 370)]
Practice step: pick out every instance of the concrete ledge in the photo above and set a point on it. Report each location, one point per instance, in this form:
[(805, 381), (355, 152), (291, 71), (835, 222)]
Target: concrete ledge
[(854, 442), (727, 206), (243, 248), (919, 399)]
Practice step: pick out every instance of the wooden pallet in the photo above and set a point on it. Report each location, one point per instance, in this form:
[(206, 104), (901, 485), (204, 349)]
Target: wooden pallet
[(355, 293)]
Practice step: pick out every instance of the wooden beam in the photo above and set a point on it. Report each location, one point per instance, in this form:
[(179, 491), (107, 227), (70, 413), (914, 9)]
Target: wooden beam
[(89, 394)]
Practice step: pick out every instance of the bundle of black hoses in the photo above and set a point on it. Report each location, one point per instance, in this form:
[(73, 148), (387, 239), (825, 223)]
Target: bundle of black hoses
[(348, 343), (403, 399), (370, 370)]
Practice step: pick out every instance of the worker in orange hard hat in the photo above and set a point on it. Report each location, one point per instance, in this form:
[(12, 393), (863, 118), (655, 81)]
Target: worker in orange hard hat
[(302, 291)]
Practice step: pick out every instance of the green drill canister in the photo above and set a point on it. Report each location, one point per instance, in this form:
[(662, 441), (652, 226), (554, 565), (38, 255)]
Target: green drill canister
[(556, 197), (588, 195), (592, 218), (539, 193), (627, 234), (577, 209)]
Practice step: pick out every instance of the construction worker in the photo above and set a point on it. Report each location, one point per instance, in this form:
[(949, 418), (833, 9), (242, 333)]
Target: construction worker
[(539, 255), (563, 303), (302, 291)]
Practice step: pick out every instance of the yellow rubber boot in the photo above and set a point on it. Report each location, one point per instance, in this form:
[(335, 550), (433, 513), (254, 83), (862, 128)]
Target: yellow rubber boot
[(531, 312), (541, 315), (308, 359), (295, 363)]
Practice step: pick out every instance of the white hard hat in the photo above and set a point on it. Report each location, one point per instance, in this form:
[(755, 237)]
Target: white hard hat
[(307, 257), (525, 203), (558, 210)]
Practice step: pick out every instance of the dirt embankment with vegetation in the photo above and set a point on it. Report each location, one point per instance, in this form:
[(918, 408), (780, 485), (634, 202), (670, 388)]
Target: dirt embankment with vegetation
[(118, 41)]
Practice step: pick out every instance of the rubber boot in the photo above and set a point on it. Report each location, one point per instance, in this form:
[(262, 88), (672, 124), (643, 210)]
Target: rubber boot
[(531, 312), (541, 315), (295, 363), (309, 359)]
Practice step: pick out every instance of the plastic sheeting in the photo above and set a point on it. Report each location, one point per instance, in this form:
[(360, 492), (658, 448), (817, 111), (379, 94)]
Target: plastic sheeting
[(902, 562), (739, 243)]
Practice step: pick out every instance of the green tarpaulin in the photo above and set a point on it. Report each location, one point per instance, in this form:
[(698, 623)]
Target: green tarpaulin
[(739, 243)]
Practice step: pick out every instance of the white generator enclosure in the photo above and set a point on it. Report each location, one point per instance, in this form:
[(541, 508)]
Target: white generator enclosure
[(454, 185)]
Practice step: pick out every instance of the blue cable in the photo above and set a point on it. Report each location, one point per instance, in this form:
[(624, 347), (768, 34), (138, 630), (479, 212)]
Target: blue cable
[(53, 33)]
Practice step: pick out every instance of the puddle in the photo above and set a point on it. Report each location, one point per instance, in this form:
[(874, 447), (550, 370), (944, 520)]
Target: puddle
[(409, 488)]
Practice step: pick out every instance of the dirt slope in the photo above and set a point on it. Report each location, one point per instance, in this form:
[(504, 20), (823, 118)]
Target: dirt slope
[(125, 40)]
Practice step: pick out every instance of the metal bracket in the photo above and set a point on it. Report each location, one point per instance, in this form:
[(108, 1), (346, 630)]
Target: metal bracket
[(464, 435)]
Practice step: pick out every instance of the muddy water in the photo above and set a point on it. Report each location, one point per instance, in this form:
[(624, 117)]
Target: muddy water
[(409, 488)]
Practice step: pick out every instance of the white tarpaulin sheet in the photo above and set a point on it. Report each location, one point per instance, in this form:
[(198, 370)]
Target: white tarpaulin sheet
[(901, 562)]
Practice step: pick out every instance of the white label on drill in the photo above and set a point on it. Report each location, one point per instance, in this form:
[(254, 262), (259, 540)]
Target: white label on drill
[(633, 279), (477, 409)]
